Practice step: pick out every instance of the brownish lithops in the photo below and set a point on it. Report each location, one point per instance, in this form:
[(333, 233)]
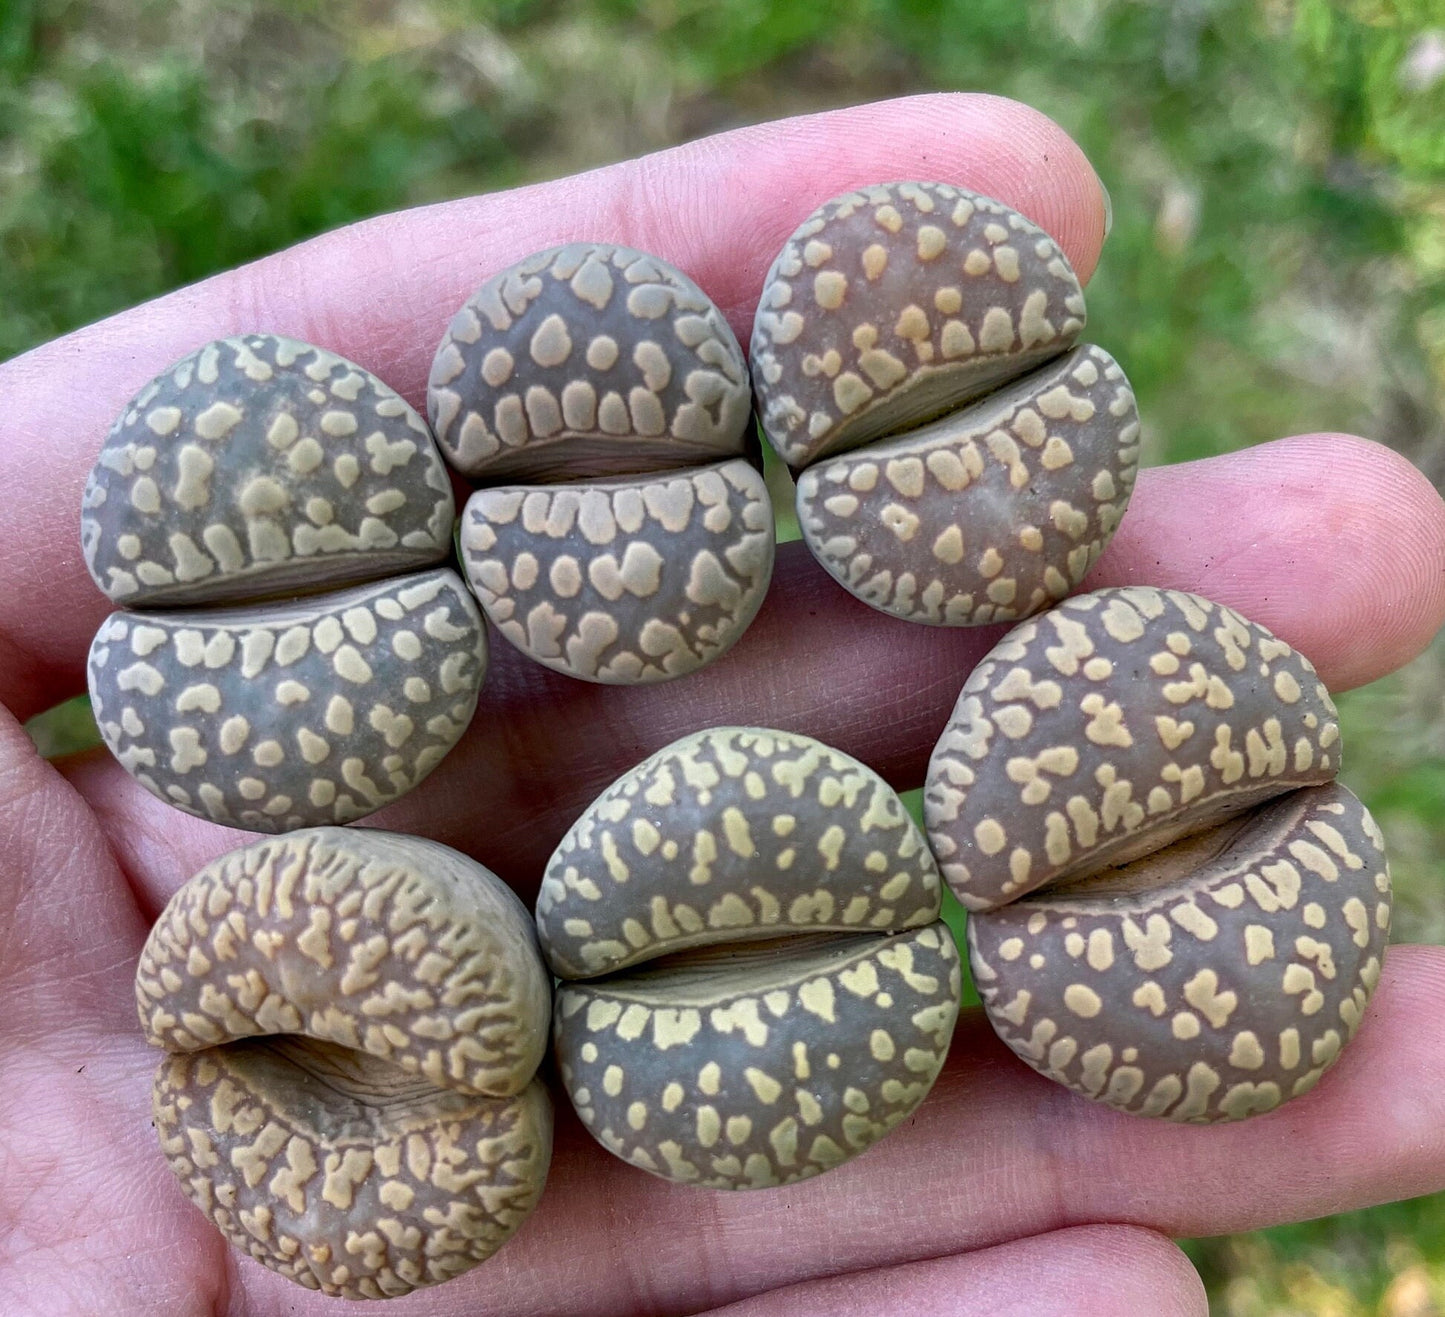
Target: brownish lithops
[(1174, 908), (639, 544), (628, 580), (356, 1019), (946, 474), (757, 983), (587, 360), (258, 474)]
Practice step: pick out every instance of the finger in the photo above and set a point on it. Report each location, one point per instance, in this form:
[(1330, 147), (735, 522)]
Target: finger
[(1086, 1271), (1363, 588), (381, 292), (1296, 533), (69, 927), (995, 1153), (91, 1218)]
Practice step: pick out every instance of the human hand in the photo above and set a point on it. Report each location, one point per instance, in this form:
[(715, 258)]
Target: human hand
[(1005, 1193)]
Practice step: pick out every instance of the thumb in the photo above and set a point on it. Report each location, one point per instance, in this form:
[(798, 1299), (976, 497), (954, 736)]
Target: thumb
[(70, 928)]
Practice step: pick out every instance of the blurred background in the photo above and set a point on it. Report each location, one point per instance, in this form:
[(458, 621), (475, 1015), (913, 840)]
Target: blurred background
[(1277, 262)]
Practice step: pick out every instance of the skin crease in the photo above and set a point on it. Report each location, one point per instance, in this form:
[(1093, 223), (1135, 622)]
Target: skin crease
[(1004, 1193)]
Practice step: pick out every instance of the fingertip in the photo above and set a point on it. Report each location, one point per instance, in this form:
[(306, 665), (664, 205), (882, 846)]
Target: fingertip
[(1334, 542)]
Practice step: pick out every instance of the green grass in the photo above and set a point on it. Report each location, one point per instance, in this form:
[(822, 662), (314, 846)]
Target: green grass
[(1277, 263)]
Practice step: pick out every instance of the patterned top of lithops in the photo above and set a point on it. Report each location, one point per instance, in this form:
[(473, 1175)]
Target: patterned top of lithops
[(587, 360), (356, 1017), (1209, 981), (624, 580), (392, 945), (276, 716), (895, 302), (990, 513), (1109, 726), (338, 479), (732, 833)]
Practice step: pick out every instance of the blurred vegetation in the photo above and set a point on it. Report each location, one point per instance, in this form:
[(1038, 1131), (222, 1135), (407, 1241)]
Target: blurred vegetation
[(1277, 261)]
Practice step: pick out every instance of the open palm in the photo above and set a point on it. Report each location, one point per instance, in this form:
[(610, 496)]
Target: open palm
[(1004, 1193)]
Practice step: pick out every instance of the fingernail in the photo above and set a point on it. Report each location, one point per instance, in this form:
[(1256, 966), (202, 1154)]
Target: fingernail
[(1108, 205)]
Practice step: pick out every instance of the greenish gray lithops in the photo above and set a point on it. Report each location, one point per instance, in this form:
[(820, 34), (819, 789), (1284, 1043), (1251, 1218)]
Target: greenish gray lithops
[(641, 545), (258, 465), (992, 512), (258, 474), (357, 1018), (957, 463), (894, 303), (1174, 909), (732, 834), (759, 986), (736, 1072), (587, 360), (278, 716), (1111, 725), (632, 579), (1209, 981)]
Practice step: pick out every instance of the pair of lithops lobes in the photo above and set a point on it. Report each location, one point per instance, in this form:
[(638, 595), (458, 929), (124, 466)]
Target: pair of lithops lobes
[(1174, 908), (355, 1020), (231, 499), (909, 303), (756, 982), (624, 536)]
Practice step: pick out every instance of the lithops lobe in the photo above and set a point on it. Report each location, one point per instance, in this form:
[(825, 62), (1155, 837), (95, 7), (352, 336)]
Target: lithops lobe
[(273, 717), (386, 1132), (747, 1072), (1207, 982), (1108, 727), (344, 1174), (629, 580), (989, 514), (894, 303), (256, 466), (390, 945), (732, 834), (587, 360)]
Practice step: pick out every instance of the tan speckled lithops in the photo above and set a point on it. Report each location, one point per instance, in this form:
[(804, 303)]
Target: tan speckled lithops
[(779, 991), (600, 376), (358, 1017), (628, 580), (1176, 911), (259, 465), (587, 360), (898, 304), (259, 473)]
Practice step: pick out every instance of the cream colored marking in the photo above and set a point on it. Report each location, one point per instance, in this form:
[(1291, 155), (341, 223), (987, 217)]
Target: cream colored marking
[(1258, 943), (829, 289), (1082, 1000), (217, 421), (1150, 996)]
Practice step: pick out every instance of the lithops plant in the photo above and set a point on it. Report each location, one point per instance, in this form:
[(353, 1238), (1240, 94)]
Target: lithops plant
[(355, 1020), (905, 304), (260, 473), (1175, 909), (599, 392), (757, 985)]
